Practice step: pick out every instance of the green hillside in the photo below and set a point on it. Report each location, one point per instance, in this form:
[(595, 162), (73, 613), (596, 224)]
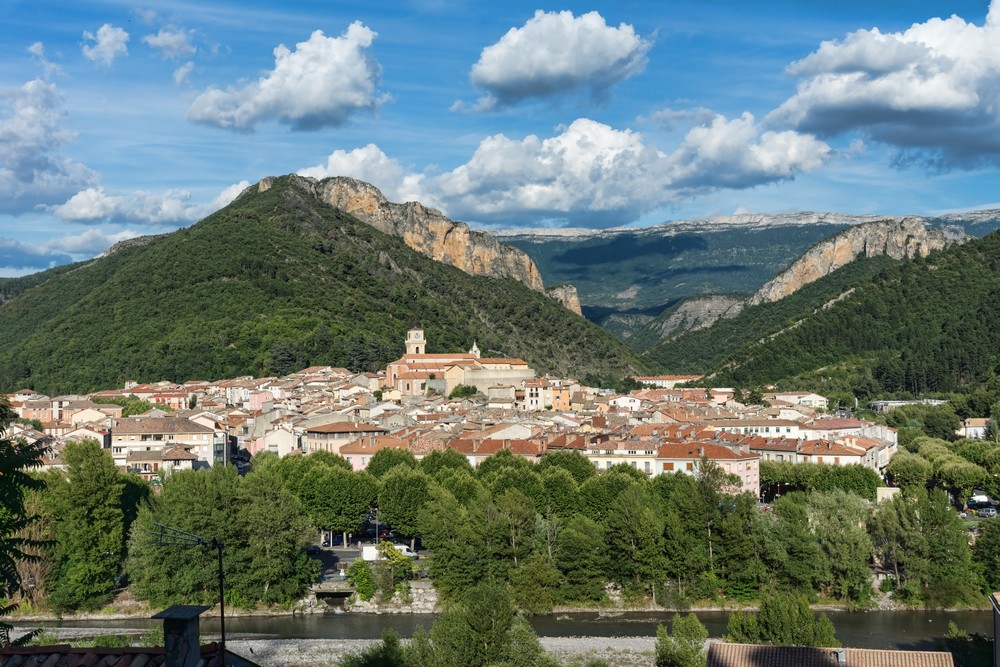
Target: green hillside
[(627, 277), (919, 326), (274, 282)]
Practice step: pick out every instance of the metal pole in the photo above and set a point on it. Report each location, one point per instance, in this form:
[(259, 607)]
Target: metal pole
[(222, 607)]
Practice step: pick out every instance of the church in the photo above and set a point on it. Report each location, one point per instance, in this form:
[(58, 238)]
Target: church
[(416, 373)]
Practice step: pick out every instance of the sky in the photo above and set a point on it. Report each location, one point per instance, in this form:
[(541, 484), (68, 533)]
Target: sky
[(121, 119)]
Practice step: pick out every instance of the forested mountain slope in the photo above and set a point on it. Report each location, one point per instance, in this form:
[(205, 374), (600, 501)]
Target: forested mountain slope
[(276, 281), (922, 325)]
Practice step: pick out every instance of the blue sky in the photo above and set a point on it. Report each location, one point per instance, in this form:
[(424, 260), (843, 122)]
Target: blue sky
[(120, 119)]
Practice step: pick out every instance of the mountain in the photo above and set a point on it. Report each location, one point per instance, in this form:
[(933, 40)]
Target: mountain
[(922, 325), (629, 277), (429, 232), (897, 239), (276, 281)]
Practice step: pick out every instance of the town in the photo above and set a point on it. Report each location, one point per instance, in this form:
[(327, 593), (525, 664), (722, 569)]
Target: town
[(474, 405)]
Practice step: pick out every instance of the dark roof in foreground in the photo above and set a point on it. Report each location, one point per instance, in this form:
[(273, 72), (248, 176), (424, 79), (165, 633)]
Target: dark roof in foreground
[(64, 656), (753, 655)]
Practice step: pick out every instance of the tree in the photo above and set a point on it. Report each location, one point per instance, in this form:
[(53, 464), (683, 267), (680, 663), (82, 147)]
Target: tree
[(474, 632), (404, 491), (89, 527), (444, 458), (909, 470), (388, 458), (838, 522), (635, 541), (337, 500), (684, 645), (16, 458), (785, 619), (573, 462), (275, 529), (457, 562), (581, 555)]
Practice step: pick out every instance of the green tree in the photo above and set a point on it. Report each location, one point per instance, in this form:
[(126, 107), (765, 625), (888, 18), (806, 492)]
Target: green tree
[(635, 541), (404, 492), (784, 619), (274, 527), (388, 458), (684, 645), (89, 527), (475, 632), (16, 458), (581, 555), (838, 522), (909, 470), (444, 458), (338, 500), (457, 560), (573, 462), (534, 584), (797, 561)]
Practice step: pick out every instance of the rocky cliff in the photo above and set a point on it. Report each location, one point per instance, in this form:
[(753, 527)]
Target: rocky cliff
[(905, 238), (567, 296), (426, 230)]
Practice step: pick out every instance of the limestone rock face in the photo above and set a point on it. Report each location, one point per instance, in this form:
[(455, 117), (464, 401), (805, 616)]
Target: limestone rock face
[(699, 313), (905, 238), (427, 231), (567, 296)]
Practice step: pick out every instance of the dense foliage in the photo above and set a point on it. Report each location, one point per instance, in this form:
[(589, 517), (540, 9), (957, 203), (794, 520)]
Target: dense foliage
[(703, 349), (935, 330), (274, 282)]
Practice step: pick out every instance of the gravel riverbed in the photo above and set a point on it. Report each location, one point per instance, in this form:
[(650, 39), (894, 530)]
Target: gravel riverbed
[(617, 651)]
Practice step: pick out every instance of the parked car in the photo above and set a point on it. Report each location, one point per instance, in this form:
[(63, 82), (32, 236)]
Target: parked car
[(312, 549), (987, 512)]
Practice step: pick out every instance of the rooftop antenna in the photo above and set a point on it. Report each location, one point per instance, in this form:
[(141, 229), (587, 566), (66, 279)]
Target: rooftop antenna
[(175, 537)]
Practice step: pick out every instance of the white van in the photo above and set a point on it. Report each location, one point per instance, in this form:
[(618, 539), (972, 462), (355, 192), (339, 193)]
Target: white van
[(370, 553)]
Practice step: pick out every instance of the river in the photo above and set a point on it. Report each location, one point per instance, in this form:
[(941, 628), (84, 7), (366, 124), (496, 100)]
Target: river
[(875, 629)]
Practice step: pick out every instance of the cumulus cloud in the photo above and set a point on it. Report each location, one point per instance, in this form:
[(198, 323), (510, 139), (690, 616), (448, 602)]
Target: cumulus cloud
[(109, 43), (227, 196), (322, 83), (95, 205), (32, 171), (18, 257), (373, 166), (932, 90), (594, 174), (171, 42), (89, 243), (557, 53)]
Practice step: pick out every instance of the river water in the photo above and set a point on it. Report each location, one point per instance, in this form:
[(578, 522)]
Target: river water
[(921, 630)]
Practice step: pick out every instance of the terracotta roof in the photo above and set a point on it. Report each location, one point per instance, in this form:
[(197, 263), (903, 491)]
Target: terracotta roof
[(753, 655), (158, 425), (695, 450)]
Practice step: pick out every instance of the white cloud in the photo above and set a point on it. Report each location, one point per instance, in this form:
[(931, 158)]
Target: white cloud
[(931, 90), (594, 174), (172, 42), (321, 83), (90, 242), (226, 197), (95, 205), (109, 43), (32, 171), (371, 165), (37, 50), (19, 258), (556, 53), (181, 73)]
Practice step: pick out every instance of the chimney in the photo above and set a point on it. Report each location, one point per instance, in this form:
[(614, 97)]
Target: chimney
[(180, 635), (841, 655)]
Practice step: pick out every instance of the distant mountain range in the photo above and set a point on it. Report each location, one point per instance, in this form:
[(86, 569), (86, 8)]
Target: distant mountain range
[(278, 280), (628, 277)]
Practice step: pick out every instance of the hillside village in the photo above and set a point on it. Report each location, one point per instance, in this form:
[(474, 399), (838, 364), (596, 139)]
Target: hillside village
[(659, 429)]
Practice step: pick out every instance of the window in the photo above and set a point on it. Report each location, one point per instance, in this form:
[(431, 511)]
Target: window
[(689, 467), (667, 467), (646, 467)]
